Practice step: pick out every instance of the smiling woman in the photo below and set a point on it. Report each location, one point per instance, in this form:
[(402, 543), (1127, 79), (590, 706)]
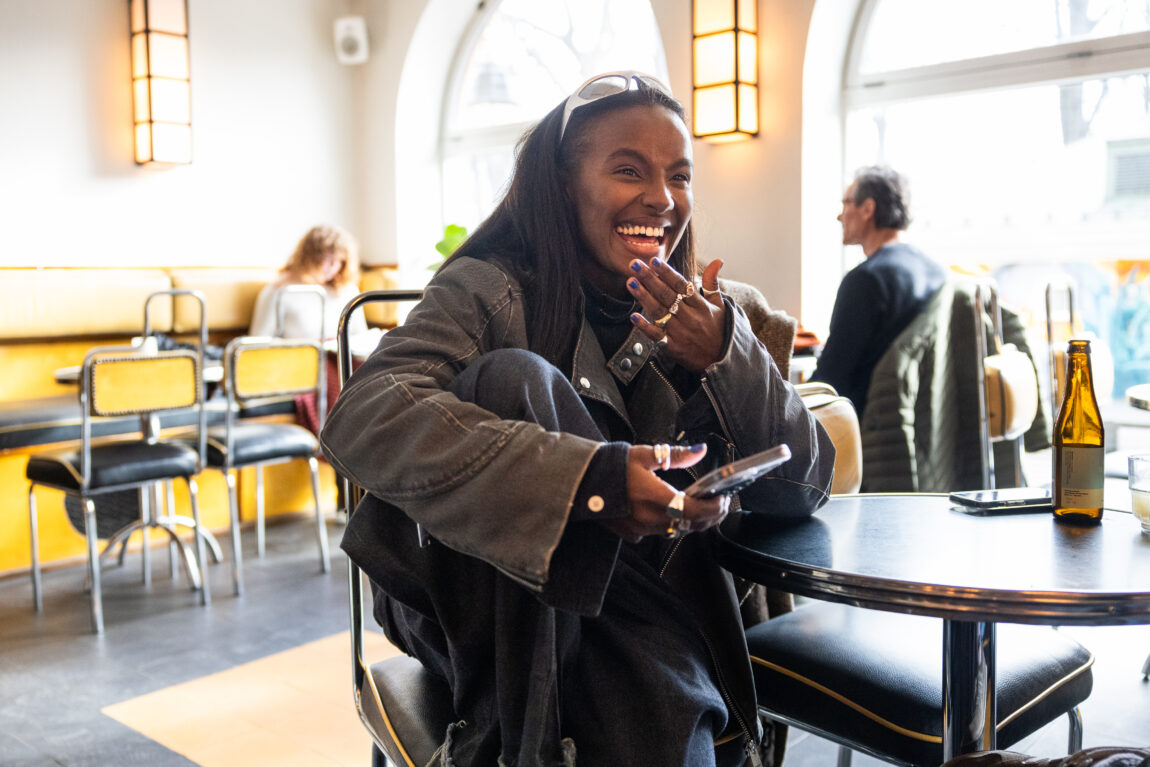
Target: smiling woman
[(567, 374)]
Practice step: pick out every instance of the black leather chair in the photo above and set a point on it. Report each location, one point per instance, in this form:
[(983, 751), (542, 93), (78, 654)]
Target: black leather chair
[(257, 369), (118, 381), (404, 708), (871, 681)]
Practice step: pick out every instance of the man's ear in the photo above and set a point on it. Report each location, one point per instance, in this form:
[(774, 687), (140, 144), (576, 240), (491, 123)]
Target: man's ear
[(867, 208)]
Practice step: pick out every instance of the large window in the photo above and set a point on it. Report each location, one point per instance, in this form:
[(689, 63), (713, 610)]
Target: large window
[(1024, 130), (523, 58)]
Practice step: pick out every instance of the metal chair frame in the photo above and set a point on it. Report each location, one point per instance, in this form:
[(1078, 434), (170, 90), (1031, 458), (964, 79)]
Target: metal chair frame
[(388, 745)]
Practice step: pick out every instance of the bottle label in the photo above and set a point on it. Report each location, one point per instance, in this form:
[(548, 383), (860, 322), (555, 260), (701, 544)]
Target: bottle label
[(1081, 478)]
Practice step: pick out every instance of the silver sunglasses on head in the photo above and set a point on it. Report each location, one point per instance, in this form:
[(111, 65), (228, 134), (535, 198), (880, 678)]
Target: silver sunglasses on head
[(608, 84)]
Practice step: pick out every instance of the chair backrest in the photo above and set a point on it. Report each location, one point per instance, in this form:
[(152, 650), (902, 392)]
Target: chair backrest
[(837, 415), (1007, 384), (925, 427), (263, 367), (175, 295), (126, 380), (352, 493), (256, 368), (285, 294)]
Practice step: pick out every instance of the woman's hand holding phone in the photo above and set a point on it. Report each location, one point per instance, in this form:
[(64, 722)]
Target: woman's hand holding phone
[(650, 496)]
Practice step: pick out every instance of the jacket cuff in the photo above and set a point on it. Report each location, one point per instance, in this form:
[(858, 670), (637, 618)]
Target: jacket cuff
[(602, 494)]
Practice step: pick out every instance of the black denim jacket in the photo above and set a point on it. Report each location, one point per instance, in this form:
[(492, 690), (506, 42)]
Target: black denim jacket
[(500, 492)]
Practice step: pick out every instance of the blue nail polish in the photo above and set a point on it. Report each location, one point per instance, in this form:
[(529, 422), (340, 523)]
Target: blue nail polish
[(633, 284), (699, 447), (634, 319), (636, 266), (656, 262)]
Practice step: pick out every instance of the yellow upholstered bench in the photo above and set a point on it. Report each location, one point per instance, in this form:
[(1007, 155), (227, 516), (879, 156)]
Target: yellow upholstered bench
[(50, 317)]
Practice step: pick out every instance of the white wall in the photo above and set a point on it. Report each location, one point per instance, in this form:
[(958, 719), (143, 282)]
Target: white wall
[(285, 137), (748, 209), (272, 137)]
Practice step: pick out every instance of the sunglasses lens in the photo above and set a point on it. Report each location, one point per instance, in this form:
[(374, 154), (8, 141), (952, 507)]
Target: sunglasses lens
[(604, 86)]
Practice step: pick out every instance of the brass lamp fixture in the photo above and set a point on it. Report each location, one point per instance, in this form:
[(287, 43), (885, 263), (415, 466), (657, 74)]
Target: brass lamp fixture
[(725, 69), (161, 86)]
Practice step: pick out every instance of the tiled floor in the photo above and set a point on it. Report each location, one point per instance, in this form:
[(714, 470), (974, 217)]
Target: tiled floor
[(56, 677), (70, 698)]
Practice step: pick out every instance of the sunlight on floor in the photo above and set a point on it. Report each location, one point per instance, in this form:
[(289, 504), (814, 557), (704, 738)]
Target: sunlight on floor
[(291, 708)]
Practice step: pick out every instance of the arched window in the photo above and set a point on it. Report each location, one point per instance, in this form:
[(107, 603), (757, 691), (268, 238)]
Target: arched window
[(521, 58), (1024, 131)]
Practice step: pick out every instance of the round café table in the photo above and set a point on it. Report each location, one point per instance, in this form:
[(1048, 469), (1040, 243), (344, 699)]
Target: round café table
[(919, 554), (1139, 396)]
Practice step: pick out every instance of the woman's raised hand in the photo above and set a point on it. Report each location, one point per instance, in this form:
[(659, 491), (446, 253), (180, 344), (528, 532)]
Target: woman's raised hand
[(657, 508), (689, 322)]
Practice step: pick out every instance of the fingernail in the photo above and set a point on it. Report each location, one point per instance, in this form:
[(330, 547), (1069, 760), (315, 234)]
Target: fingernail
[(699, 447), (656, 261), (636, 266), (635, 319), (633, 284)]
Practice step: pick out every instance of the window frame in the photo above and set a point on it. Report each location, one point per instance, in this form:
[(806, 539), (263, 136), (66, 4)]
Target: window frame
[(1062, 62)]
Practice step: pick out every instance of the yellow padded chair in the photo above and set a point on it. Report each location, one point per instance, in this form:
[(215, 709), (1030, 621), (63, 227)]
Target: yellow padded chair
[(118, 382), (257, 368)]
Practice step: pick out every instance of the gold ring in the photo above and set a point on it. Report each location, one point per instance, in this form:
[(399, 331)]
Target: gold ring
[(689, 290), (662, 321), (674, 307), (708, 293)]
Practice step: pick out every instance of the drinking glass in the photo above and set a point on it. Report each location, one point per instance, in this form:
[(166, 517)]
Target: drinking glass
[(1140, 488)]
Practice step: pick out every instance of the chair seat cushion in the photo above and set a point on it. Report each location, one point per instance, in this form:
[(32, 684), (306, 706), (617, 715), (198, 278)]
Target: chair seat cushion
[(412, 711), (259, 442), (114, 464), (875, 678)]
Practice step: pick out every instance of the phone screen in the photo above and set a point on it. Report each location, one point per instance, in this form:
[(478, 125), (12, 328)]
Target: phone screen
[(733, 477)]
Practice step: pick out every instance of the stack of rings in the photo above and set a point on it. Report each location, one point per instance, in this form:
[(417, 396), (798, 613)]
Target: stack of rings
[(678, 524), (662, 455), (673, 309)]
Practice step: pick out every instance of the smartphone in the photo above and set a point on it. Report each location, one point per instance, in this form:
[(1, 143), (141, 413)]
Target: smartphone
[(736, 475), (1005, 500)]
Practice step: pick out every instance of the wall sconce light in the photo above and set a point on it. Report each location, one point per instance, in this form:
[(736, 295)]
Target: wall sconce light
[(161, 86), (725, 69)]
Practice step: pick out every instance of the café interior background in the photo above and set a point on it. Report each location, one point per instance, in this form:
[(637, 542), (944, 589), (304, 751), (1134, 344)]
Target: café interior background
[(284, 136)]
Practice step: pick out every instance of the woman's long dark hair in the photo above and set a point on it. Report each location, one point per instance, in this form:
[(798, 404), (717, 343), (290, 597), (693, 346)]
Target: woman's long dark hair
[(534, 232)]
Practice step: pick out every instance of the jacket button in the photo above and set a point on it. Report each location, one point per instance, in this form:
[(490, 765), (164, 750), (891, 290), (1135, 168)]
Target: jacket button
[(625, 363), (595, 503), (637, 348), (584, 382)]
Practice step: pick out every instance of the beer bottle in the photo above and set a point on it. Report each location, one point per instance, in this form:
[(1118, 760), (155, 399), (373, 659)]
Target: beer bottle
[(1078, 443)]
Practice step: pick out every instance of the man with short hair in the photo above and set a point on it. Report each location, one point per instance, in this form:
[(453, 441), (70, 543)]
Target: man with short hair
[(881, 296)]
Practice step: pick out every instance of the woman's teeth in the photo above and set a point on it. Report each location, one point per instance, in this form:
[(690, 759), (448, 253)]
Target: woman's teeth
[(631, 230)]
